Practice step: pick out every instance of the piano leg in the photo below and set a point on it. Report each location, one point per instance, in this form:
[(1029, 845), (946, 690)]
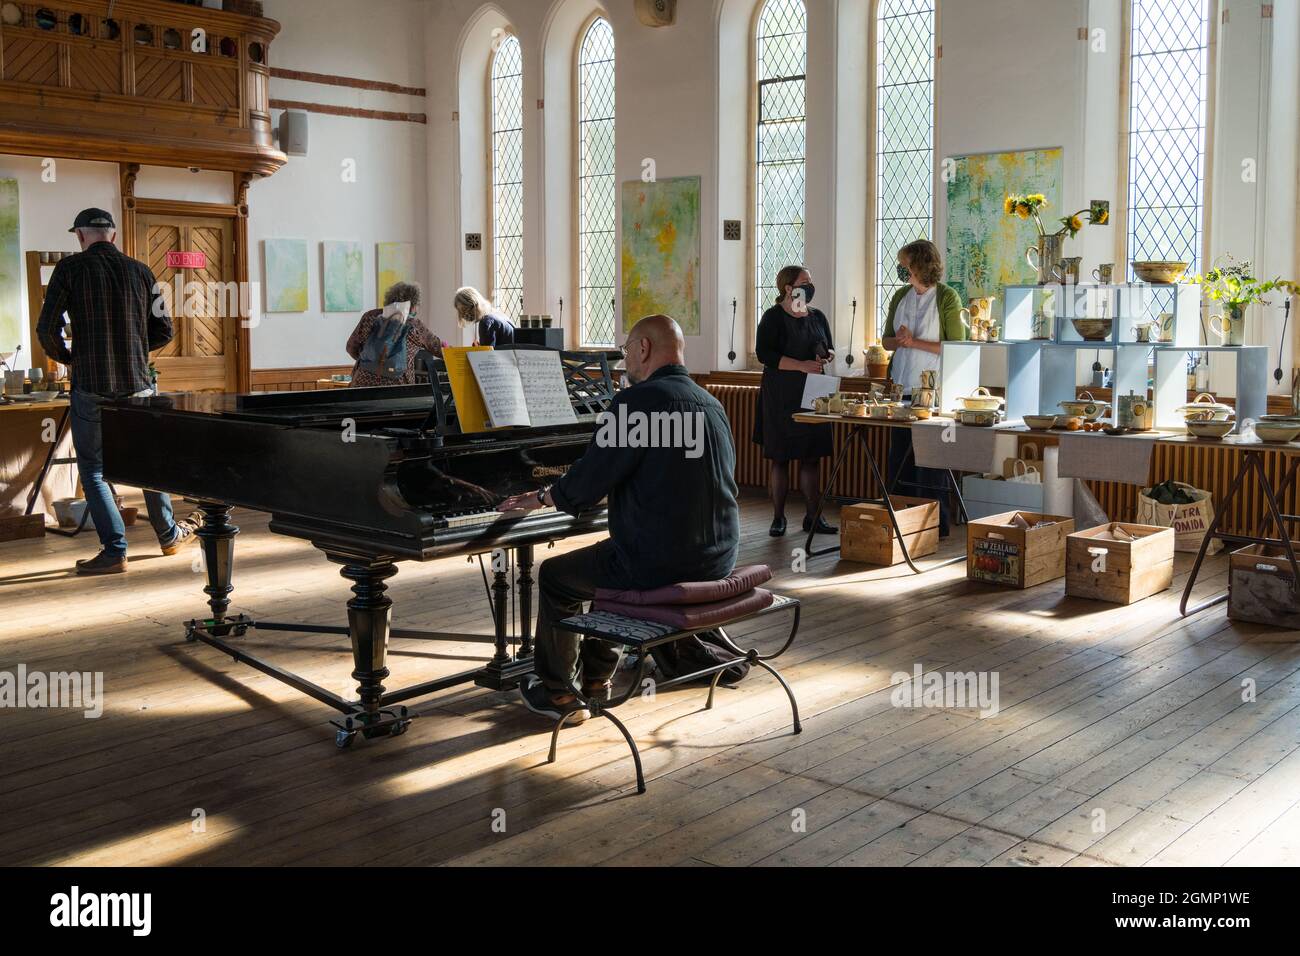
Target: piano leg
[(217, 538), (525, 558), (503, 671), (369, 624)]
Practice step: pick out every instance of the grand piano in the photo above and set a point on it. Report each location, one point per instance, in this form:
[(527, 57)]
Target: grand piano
[(371, 477)]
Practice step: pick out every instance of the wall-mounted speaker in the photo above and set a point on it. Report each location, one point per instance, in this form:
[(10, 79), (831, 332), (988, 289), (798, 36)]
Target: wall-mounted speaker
[(657, 13), (293, 133)]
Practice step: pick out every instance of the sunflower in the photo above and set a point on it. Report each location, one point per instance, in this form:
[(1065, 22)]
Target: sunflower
[(1075, 224), (1009, 205), (1103, 217), (1023, 210), (1037, 199)]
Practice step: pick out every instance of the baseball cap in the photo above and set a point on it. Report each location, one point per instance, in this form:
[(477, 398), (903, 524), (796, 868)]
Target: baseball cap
[(93, 219)]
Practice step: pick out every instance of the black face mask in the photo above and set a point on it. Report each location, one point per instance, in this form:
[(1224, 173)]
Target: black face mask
[(903, 274), (808, 291)]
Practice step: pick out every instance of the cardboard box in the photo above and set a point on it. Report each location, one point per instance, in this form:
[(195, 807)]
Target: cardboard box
[(1119, 562), (1261, 587), (867, 536), (999, 551)]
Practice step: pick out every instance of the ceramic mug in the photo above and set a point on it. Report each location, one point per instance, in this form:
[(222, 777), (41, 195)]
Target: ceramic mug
[(1104, 273), (1231, 330), (1166, 326), (930, 378), (1069, 269), (1142, 332)]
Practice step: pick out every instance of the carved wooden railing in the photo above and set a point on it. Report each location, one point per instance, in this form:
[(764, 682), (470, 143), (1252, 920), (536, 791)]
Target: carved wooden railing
[(144, 81)]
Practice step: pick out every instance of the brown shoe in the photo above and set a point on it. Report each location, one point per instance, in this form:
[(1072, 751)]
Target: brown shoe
[(102, 563), (184, 536), (597, 690)]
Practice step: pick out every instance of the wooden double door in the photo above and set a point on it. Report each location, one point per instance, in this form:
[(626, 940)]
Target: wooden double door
[(205, 300)]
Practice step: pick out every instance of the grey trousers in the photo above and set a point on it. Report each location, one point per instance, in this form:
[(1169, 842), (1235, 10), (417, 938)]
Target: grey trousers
[(561, 657)]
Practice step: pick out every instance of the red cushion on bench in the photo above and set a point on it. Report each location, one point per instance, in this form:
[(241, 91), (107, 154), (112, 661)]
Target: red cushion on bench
[(691, 617), (738, 582)]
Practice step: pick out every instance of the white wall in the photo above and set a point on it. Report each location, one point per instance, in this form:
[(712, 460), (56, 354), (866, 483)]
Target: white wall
[(308, 198)]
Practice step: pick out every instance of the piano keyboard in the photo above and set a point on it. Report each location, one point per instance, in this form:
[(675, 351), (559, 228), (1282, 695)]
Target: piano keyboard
[(480, 518)]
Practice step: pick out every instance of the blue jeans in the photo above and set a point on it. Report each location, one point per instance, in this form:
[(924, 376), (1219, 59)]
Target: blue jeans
[(88, 440)]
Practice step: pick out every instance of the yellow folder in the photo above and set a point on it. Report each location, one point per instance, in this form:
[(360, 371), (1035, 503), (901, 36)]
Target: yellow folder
[(470, 408)]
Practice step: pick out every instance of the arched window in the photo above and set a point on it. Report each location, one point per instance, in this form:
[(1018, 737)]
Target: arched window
[(507, 199), (1168, 97), (781, 55), (904, 140), (597, 191)]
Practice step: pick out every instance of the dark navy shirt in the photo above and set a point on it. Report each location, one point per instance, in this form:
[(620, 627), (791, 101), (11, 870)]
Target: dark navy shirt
[(494, 330), (671, 517)]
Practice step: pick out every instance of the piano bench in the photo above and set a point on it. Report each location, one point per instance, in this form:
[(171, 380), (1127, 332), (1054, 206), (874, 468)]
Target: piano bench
[(642, 635)]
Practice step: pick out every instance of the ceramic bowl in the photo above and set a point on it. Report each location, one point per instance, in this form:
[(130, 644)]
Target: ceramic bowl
[(1092, 330), (1160, 272), (1039, 423), (1276, 431), (1211, 429)]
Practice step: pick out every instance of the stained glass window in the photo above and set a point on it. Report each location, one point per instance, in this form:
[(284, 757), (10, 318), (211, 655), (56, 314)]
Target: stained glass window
[(507, 79), (597, 190), (1169, 43), (781, 56), (904, 136)]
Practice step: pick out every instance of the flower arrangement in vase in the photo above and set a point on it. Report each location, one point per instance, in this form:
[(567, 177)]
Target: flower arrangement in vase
[(1050, 247), (1234, 283)]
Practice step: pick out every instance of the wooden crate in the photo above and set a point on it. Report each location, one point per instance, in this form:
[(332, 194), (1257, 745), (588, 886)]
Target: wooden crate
[(1261, 588), (867, 536), (1102, 564), (1000, 552), (16, 527)]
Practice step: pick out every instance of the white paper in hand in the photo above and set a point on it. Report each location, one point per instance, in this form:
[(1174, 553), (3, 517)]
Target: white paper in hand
[(397, 310), (818, 386)]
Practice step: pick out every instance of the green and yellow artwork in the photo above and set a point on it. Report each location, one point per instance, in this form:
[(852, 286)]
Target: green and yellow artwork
[(661, 251), (11, 260), (342, 276), (986, 247), (396, 263), (285, 274)]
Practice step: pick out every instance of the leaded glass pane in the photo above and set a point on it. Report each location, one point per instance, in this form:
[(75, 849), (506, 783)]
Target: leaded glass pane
[(597, 188), (508, 177)]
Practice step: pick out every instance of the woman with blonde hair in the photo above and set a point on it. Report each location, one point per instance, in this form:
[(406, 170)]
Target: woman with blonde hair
[(793, 342), (473, 309)]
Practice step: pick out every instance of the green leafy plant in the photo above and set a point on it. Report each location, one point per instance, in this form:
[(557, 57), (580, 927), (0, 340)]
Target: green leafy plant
[(1234, 283)]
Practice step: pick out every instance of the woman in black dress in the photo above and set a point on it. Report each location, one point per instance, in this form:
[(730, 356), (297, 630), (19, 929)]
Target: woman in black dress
[(793, 340)]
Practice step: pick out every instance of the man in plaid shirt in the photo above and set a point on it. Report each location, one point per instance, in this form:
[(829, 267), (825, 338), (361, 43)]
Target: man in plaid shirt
[(118, 317)]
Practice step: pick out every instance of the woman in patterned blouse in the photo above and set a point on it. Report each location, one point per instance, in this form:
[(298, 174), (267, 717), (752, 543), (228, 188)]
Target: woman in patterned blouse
[(417, 337)]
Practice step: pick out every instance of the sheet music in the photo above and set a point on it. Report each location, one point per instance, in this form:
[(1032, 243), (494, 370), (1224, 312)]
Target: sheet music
[(818, 386), (502, 389), (545, 393)]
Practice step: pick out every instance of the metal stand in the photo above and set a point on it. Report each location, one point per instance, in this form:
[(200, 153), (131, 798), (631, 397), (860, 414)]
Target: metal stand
[(369, 629), (856, 436), (1251, 460)]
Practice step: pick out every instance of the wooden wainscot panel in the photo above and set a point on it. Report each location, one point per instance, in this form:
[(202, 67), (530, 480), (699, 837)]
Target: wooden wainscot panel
[(1118, 562), (867, 536), (1007, 549), (138, 81), (1261, 589)]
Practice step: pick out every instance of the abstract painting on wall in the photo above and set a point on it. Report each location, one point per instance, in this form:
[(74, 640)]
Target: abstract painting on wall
[(342, 276), (396, 263), (661, 251), (11, 310), (285, 274), (986, 247)]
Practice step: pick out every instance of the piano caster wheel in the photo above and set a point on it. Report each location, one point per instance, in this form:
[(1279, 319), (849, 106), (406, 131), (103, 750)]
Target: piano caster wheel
[(239, 631), (343, 739), (399, 728), (189, 634)]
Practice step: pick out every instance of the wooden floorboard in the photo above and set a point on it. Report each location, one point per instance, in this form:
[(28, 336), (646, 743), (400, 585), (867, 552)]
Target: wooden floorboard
[(1123, 736)]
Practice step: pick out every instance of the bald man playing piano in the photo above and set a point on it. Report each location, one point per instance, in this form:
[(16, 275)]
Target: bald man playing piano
[(664, 458)]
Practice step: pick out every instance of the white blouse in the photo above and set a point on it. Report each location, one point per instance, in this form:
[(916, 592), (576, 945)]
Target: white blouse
[(920, 313)]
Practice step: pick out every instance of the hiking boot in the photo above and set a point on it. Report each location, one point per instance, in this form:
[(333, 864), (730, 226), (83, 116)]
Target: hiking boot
[(103, 563)]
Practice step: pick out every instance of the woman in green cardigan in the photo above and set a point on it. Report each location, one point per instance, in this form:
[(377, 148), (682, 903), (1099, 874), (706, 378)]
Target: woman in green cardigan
[(923, 315)]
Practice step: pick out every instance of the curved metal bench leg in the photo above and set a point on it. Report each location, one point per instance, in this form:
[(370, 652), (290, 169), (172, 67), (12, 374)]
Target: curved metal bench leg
[(794, 704), (555, 734), (713, 685), (636, 754)]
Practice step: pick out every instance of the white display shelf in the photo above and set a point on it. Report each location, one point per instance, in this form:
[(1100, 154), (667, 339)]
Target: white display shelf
[(1125, 305), (1249, 364)]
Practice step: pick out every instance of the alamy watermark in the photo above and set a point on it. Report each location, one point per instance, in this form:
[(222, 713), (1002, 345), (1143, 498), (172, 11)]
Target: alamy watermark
[(636, 429), (950, 689), (73, 690)]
